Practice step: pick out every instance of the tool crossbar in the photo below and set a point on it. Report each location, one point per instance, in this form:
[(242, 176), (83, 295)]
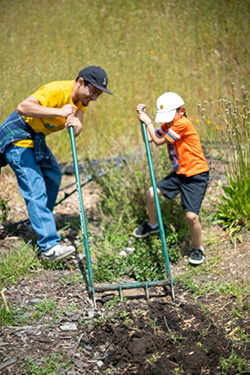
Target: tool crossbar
[(131, 285)]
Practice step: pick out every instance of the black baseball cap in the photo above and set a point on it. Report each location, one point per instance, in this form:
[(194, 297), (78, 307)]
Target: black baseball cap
[(96, 76)]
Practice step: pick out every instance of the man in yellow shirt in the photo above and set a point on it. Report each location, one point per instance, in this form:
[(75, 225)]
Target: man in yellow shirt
[(55, 106)]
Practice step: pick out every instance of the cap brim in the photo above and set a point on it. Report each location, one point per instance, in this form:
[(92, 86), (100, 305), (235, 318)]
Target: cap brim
[(165, 116), (102, 88)]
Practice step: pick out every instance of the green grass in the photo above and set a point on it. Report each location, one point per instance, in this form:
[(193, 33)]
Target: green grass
[(235, 364), (46, 306), (7, 317), (147, 47), (55, 363), (20, 261)]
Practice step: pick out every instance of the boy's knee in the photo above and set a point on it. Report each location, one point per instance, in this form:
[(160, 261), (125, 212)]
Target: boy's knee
[(150, 194), (192, 218)]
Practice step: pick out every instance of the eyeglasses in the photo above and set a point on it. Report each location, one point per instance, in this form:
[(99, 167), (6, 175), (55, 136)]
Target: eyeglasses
[(93, 92)]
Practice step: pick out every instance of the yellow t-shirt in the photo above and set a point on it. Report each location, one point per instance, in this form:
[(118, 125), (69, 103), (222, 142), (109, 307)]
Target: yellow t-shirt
[(55, 95)]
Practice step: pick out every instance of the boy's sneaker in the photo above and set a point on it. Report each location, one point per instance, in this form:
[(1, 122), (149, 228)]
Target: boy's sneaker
[(197, 256), (145, 230), (57, 252)]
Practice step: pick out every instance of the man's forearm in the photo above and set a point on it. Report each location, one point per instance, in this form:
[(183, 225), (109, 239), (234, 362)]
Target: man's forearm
[(36, 110), (31, 107)]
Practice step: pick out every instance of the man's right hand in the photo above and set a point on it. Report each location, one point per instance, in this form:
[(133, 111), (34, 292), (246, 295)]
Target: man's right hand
[(67, 110)]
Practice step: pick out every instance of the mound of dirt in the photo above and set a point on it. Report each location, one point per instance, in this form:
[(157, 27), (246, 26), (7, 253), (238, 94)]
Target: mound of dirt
[(163, 338)]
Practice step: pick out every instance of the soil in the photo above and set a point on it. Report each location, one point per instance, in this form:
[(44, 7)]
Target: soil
[(157, 336)]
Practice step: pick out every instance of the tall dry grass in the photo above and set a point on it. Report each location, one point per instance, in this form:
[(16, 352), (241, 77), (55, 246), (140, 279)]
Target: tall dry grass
[(147, 47)]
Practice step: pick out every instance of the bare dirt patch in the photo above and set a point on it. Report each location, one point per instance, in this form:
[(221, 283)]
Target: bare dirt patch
[(133, 337)]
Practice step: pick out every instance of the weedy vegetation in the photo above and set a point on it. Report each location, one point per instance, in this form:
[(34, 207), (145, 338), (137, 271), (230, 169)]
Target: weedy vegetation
[(231, 120), (20, 261), (122, 207)]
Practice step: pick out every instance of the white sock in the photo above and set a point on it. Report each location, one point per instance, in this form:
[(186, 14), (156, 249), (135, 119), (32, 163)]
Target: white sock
[(153, 226)]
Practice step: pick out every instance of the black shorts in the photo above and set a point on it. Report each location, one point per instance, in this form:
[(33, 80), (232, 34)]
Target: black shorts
[(192, 189)]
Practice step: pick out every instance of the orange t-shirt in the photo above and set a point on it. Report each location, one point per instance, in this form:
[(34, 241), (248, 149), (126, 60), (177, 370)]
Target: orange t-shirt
[(184, 147)]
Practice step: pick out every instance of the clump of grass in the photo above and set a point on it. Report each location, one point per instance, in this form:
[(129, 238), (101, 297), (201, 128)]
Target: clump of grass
[(230, 119), (46, 306), (55, 363), (20, 261), (6, 316), (15, 314)]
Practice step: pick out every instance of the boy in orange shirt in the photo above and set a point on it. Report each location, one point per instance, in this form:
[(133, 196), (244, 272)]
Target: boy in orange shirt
[(191, 172)]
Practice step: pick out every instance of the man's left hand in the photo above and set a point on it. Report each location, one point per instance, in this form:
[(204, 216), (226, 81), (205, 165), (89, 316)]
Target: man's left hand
[(74, 121)]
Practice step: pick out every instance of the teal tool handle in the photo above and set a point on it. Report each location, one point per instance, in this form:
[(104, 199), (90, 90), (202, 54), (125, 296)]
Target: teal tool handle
[(157, 203), (81, 207)]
